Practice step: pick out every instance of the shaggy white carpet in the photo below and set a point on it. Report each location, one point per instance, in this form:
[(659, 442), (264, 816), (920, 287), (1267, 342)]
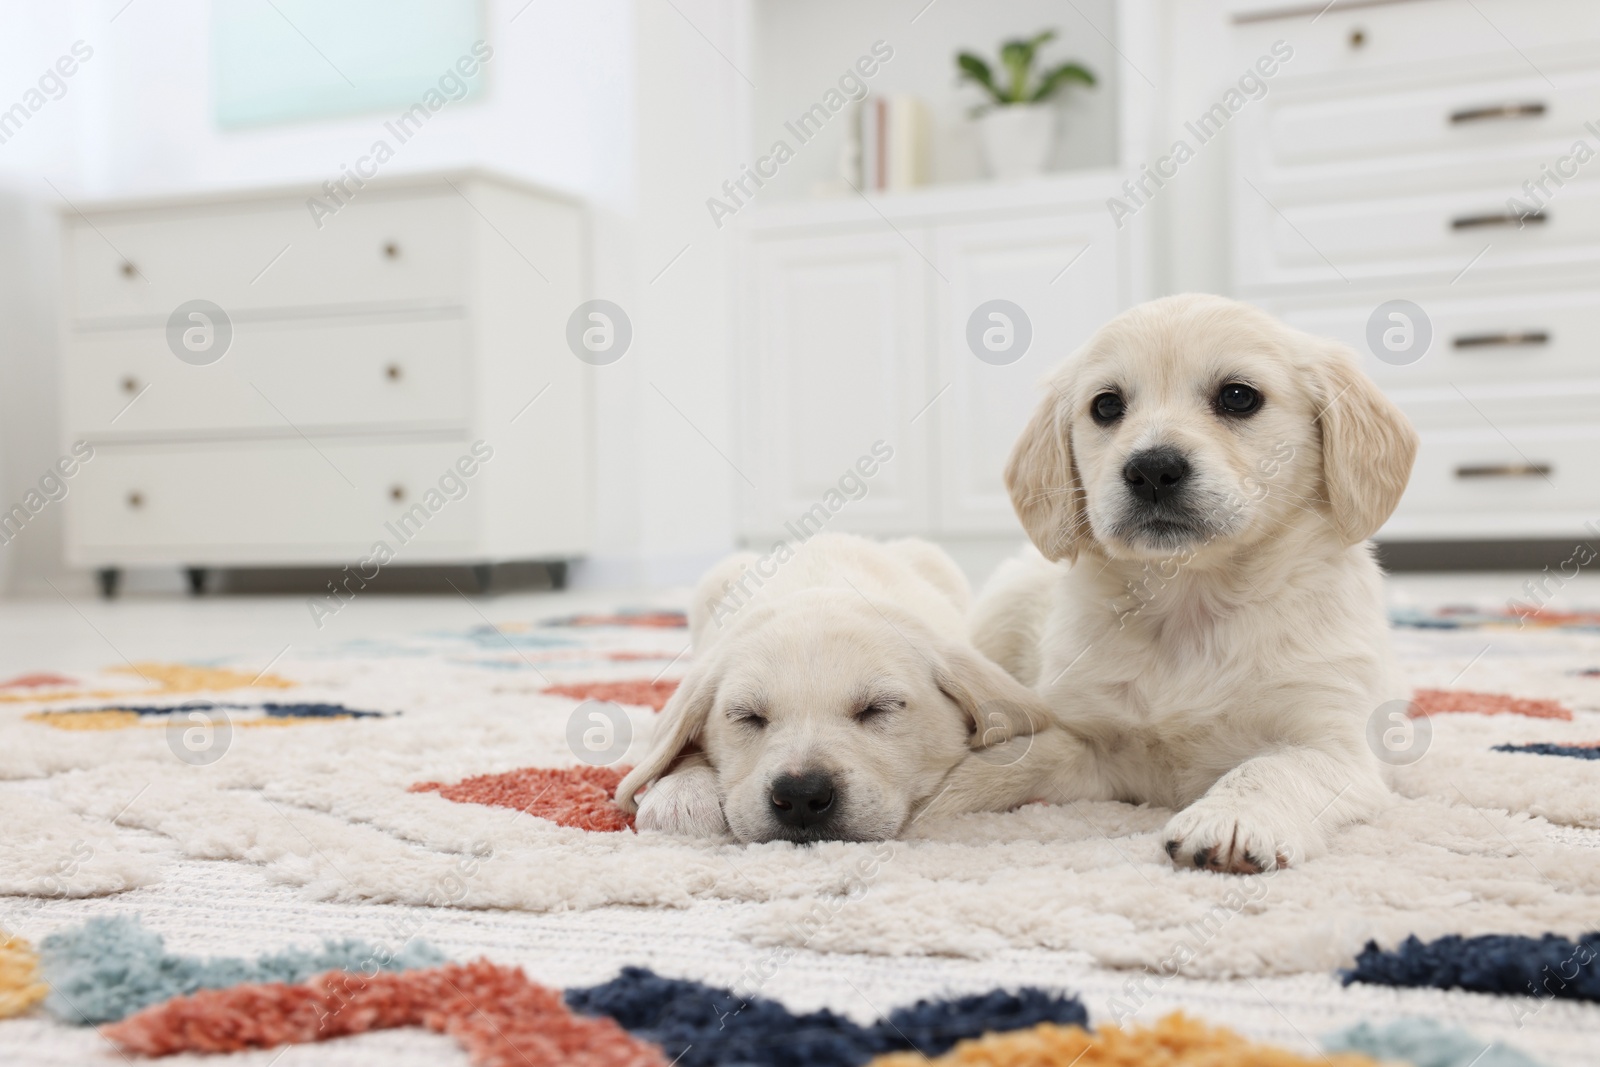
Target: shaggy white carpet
[(307, 829)]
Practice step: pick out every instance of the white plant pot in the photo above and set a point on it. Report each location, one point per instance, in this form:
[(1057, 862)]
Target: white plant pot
[(1017, 140)]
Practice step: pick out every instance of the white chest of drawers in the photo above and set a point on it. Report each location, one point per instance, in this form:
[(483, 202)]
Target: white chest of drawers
[(1387, 163), (416, 335)]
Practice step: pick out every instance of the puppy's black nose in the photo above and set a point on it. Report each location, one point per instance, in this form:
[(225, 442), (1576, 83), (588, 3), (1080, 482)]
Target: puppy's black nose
[(803, 800), (1155, 474)]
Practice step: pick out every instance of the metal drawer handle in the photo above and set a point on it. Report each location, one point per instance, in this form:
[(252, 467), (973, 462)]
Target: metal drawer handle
[(1503, 340), (393, 372), (397, 493), (130, 384), (391, 250), (1528, 110), (128, 269), (136, 500), (1474, 222), (1506, 470)]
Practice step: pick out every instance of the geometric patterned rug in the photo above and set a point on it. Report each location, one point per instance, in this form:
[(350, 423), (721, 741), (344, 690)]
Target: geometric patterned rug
[(452, 786)]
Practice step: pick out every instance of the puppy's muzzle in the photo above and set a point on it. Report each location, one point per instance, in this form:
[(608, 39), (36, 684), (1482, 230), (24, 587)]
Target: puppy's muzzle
[(805, 801), (1156, 475)]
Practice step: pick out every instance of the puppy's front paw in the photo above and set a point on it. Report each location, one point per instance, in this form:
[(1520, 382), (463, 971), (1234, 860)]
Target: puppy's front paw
[(1215, 835), (686, 802)]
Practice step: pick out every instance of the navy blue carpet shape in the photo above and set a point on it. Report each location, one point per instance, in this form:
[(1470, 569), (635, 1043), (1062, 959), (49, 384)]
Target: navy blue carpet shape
[(932, 1027), (1543, 967), (1544, 748), (703, 1026), (274, 711)]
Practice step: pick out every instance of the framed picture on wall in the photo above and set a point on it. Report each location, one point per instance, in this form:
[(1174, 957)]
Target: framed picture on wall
[(277, 61)]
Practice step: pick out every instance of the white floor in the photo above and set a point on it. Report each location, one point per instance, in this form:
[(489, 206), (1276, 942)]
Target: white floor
[(66, 633), (248, 912), (62, 633)]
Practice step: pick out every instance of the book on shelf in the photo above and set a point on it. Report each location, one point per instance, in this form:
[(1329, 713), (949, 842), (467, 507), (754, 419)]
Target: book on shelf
[(890, 151)]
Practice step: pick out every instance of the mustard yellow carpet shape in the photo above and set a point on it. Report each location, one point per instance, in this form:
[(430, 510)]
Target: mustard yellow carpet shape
[(20, 988), (1174, 1041)]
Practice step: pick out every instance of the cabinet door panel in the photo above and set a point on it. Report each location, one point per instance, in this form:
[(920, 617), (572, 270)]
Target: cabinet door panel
[(1062, 272), (840, 363)]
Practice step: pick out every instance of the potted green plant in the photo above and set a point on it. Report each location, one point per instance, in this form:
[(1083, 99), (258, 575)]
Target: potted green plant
[(1017, 123)]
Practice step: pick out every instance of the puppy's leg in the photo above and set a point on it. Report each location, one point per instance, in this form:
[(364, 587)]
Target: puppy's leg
[(1273, 811), (1051, 765), (686, 802)]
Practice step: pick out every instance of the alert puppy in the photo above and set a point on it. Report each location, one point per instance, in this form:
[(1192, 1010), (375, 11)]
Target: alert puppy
[(1203, 614), (829, 697)]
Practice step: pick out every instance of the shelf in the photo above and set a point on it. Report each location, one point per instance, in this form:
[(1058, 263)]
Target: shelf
[(1065, 189)]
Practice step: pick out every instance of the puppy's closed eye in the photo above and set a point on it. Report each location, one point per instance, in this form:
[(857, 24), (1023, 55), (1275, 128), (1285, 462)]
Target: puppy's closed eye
[(878, 709), (742, 715)]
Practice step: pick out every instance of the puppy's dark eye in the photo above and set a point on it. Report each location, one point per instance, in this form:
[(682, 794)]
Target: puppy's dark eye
[(745, 717), (1107, 408), (1236, 398)]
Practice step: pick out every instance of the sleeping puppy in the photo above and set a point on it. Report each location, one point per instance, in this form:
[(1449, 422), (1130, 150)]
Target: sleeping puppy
[(1203, 614), (834, 688)]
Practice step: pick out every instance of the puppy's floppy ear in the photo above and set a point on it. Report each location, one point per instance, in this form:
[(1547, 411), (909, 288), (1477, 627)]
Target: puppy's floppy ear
[(1368, 445), (1042, 478), (997, 706), (681, 722)]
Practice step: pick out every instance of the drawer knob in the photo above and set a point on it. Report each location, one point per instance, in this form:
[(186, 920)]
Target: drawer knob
[(1531, 109), (1358, 37), (128, 269), (1506, 470), (136, 500), (397, 493), (130, 384), (391, 251), (1517, 219), (1507, 339), (393, 372)]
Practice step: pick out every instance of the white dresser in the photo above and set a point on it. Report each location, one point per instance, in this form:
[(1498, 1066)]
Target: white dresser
[(261, 390), (1382, 166)]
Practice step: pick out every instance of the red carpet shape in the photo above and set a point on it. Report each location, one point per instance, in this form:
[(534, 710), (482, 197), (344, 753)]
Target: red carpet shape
[(35, 681), (1435, 701), (572, 796), (640, 693), (499, 1017)]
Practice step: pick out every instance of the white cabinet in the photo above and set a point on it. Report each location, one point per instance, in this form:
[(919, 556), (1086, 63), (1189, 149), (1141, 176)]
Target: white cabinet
[(857, 331), (1410, 152), (841, 363), (399, 373), (1060, 269)]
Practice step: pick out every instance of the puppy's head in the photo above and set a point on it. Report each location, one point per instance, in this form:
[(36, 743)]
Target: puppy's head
[(830, 718), (1196, 424)]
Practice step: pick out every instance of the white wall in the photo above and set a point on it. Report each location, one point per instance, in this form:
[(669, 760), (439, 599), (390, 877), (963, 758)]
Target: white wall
[(578, 99), (560, 73), (46, 146), (666, 408)]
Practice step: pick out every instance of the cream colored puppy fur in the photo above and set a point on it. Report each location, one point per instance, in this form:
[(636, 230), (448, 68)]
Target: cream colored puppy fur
[(847, 667), (1218, 646)]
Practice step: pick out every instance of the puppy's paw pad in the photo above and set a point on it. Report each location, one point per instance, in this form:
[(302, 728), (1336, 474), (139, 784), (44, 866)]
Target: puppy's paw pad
[(1218, 838)]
